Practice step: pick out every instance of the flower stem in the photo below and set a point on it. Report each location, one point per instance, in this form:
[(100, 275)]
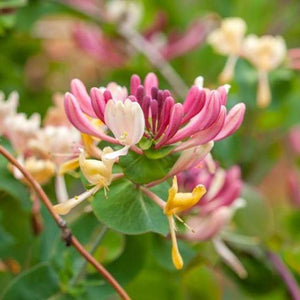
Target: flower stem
[(161, 203), (285, 274)]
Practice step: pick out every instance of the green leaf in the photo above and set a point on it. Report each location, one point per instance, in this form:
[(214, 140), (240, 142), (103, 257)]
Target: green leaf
[(39, 282), (145, 143), (128, 210), (141, 169), (201, 282), (160, 153), (12, 3), (161, 249), (256, 208), (6, 240)]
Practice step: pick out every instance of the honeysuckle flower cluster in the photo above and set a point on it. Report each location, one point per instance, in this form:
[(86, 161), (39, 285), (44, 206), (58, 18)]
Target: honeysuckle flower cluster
[(266, 53), (201, 118), (146, 120), (40, 149), (216, 208)]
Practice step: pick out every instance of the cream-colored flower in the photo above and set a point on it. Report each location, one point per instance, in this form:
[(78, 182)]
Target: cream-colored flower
[(41, 170), (228, 40), (20, 130), (98, 173), (266, 53), (58, 143), (127, 123), (7, 108)]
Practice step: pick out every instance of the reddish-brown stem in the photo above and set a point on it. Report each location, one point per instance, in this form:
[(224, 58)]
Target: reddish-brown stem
[(37, 221), (67, 234)]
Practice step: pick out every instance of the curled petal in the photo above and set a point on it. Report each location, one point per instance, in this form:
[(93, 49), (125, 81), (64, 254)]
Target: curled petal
[(114, 155), (233, 121), (65, 207), (229, 257), (202, 120), (205, 135), (209, 226), (79, 91), (80, 121), (193, 103), (98, 103), (190, 157)]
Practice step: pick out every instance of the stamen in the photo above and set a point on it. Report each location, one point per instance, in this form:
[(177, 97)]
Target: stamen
[(176, 257), (185, 224)]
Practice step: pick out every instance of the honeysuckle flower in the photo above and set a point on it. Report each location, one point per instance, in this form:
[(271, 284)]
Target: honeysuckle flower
[(126, 121), (216, 208), (7, 107), (178, 202), (42, 170), (20, 130), (97, 172), (228, 40), (58, 143), (266, 53), (200, 119), (190, 157)]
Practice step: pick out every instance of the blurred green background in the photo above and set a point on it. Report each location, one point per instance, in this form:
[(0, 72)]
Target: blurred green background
[(38, 67)]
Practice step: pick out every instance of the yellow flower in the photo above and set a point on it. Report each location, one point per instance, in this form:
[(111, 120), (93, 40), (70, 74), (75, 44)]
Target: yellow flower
[(178, 202), (97, 172)]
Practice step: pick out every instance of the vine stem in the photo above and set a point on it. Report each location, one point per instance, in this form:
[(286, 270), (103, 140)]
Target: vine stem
[(66, 232), (285, 274), (157, 60)]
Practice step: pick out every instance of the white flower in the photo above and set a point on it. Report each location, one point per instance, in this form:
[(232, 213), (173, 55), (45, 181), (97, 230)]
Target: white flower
[(60, 142), (266, 52), (8, 107), (227, 39), (20, 130), (126, 121)]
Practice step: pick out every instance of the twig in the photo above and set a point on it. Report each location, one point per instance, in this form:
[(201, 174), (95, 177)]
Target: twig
[(154, 56), (66, 232), (285, 274)]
